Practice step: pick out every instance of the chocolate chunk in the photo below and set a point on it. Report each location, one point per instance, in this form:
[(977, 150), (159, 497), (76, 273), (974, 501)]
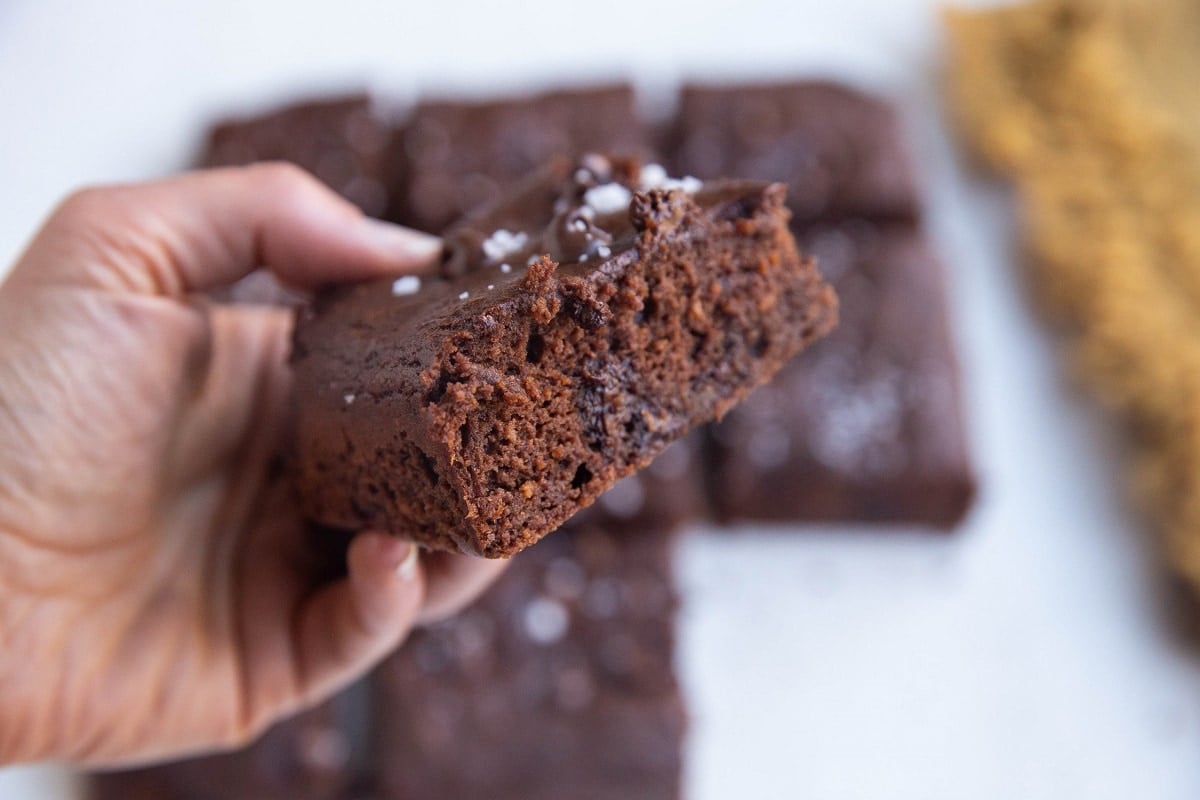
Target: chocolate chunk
[(482, 408)]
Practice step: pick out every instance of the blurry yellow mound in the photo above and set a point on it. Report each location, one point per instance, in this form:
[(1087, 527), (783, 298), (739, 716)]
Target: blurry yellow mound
[(1093, 110)]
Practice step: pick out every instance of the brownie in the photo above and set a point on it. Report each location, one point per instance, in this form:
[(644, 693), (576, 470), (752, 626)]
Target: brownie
[(840, 150), (453, 157), (558, 682), (577, 328), (308, 757), (339, 140), (865, 425)]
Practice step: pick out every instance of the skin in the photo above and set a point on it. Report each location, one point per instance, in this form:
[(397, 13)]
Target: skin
[(159, 594)]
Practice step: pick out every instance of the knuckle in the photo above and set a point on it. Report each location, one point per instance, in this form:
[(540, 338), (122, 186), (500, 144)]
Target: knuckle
[(85, 203), (283, 176), (294, 187)]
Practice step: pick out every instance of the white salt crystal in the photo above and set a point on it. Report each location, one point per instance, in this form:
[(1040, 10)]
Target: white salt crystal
[(502, 243), (608, 198), (409, 284)]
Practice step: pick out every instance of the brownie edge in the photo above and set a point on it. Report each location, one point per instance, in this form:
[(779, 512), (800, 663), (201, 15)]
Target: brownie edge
[(613, 311)]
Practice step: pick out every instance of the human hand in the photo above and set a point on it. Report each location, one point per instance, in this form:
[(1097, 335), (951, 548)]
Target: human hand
[(158, 594)]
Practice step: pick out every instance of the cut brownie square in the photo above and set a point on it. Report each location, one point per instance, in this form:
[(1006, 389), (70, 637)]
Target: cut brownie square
[(840, 150), (309, 757), (339, 140), (866, 425), (453, 157), (557, 683), (578, 328)]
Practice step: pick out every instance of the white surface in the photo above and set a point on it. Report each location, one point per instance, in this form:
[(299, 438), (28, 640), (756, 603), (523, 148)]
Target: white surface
[(1026, 657)]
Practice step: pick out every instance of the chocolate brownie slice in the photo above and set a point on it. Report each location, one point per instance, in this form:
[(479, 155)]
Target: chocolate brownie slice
[(577, 329), (840, 150), (865, 426), (453, 157), (339, 140), (309, 757), (558, 682)]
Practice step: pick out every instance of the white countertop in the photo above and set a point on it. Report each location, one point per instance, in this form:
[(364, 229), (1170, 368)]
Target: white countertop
[(1028, 656)]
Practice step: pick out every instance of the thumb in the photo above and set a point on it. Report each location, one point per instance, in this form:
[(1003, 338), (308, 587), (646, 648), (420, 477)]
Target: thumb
[(206, 229), (350, 625)]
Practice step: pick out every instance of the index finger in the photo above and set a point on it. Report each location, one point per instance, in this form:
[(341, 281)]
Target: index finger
[(206, 229)]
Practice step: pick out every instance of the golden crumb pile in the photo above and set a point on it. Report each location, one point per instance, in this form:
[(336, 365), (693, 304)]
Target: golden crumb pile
[(1093, 110)]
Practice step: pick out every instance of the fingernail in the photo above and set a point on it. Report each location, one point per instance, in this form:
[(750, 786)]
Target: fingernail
[(398, 240), (408, 567)]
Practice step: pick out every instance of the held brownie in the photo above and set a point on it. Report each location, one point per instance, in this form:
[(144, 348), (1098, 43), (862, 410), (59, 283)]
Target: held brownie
[(557, 683), (865, 426), (577, 329), (452, 157)]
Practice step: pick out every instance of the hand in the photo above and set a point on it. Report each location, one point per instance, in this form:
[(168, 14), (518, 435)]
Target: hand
[(158, 593)]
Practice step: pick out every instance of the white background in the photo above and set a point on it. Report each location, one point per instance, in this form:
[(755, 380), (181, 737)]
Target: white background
[(1028, 656)]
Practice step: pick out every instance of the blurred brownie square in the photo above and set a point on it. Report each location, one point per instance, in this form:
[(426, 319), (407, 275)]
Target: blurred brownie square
[(841, 151), (865, 426), (340, 140), (455, 156), (578, 328), (309, 757), (558, 683)]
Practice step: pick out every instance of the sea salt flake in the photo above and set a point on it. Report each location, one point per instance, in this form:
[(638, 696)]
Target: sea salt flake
[(608, 198), (502, 243), (686, 184), (652, 177), (349, 398), (491, 286), (507, 268), (604, 251), (464, 295), (409, 284)]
